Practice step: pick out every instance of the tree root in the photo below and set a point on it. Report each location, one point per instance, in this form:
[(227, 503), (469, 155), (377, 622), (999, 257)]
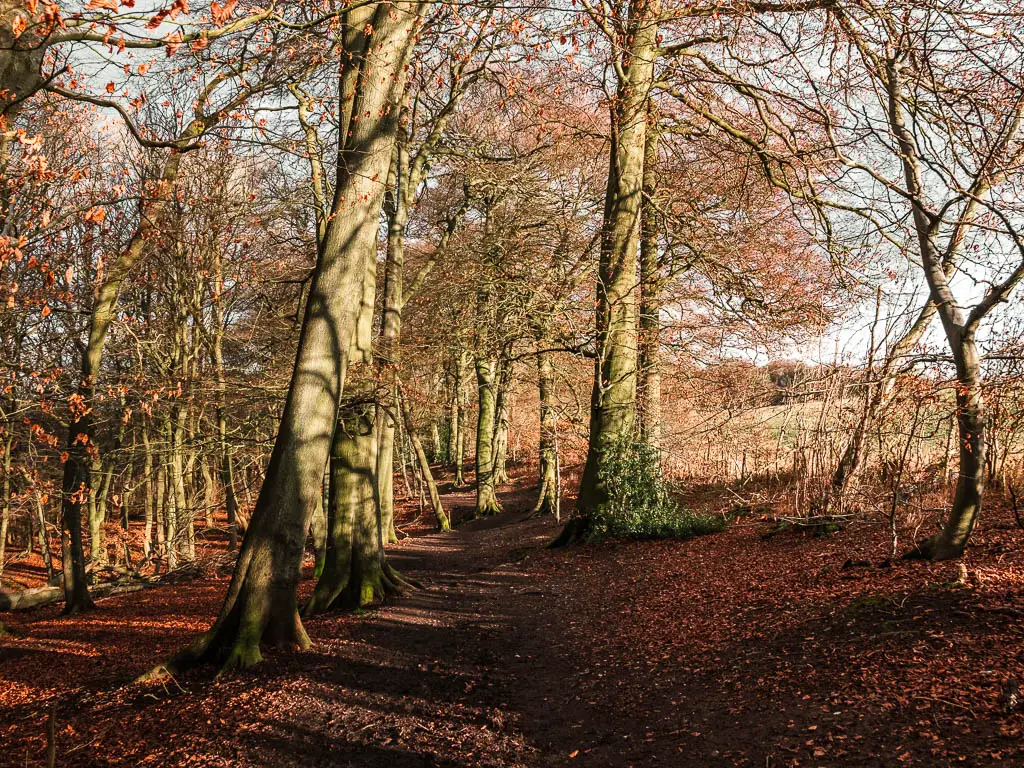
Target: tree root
[(935, 549), (575, 531), (322, 600), (488, 505), (543, 507), (401, 582), (233, 644), (370, 590), (242, 656)]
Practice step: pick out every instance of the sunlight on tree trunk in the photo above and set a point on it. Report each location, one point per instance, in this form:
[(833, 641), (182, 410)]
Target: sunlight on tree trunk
[(261, 606), (613, 399), (486, 499)]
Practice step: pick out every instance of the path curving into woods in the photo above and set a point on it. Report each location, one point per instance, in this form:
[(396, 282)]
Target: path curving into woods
[(727, 650)]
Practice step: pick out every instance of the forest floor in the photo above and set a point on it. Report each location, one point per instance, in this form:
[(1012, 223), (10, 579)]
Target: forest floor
[(726, 650)]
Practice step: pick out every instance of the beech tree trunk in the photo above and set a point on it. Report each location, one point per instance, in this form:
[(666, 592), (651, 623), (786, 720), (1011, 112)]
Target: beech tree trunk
[(548, 494), (21, 57), (440, 516), (227, 469), (397, 208), (5, 502), (951, 541), (355, 573), (261, 606), (486, 499), (499, 442), (453, 423), (613, 399), (649, 385), (44, 538), (460, 401)]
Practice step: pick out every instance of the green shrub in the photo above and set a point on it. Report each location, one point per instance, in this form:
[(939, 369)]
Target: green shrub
[(639, 504)]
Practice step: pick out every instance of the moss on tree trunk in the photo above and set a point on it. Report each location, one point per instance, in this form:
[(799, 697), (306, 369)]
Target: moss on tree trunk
[(354, 573), (260, 607), (486, 498), (613, 399)]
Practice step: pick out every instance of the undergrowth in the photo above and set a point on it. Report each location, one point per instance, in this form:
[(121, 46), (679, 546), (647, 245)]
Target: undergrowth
[(639, 502)]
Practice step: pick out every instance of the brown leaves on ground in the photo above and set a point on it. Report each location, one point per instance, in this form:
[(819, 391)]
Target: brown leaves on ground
[(724, 650)]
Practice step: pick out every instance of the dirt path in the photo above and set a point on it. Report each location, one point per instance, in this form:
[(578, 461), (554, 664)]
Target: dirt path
[(453, 674)]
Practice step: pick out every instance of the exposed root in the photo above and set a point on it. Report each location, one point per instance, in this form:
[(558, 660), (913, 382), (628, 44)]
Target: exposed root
[(402, 583), (371, 589), (545, 506), (487, 504), (157, 673), (324, 598), (243, 655), (574, 532), (190, 656), (935, 549)]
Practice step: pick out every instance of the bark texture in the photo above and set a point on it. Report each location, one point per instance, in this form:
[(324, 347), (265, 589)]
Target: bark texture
[(613, 399), (649, 385), (486, 498), (354, 570), (547, 497), (260, 607)]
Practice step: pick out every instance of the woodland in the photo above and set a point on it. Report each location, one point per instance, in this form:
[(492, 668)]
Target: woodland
[(561, 382)]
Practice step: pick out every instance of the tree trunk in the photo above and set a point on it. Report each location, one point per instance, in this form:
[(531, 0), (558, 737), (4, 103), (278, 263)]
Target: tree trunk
[(548, 494), (227, 469), (209, 493), (486, 499), (97, 513), (397, 207), (5, 503), (453, 422), (261, 606), (171, 534), (44, 538), (460, 401), (613, 400), (185, 522), (950, 543), (318, 530), (499, 443), (421, 456), (649, 385), (355, 573), (21, 58), (147, 492)]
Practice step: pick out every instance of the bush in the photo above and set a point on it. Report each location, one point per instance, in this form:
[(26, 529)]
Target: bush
[(640, 505)]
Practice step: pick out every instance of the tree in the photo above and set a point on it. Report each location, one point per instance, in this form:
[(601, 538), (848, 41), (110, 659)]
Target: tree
[(261, 602), (896, 156)]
